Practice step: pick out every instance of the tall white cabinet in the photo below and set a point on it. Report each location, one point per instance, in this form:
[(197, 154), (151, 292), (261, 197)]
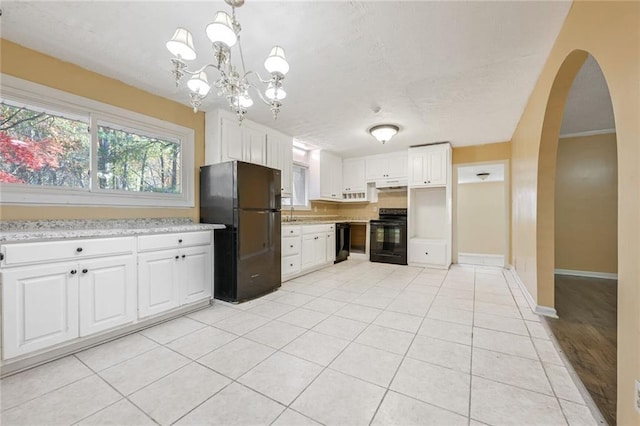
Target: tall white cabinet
[(429, 206), (226, 140), (325, 176)]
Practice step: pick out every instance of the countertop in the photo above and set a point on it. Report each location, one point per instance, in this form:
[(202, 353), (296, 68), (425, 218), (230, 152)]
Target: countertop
[(20, 231), (302, 220)]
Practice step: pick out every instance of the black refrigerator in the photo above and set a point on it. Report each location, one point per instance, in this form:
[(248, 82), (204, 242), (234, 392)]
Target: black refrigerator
[(245, 198)]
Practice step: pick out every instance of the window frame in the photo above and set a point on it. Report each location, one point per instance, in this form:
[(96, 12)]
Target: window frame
[(18, 91), (306, 206)]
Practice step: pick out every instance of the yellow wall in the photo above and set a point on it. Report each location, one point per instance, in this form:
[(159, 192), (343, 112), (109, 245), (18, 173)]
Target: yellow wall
[(586, 204), (33, 66), (481, 153), (481, 218), (609, 31)]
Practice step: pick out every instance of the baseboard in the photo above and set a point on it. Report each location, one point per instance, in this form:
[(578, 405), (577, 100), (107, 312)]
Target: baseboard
[(587, 274), (481, 259), (546, 311)]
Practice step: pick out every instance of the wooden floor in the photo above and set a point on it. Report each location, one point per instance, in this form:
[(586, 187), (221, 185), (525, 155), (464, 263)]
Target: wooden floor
[(586, 332)]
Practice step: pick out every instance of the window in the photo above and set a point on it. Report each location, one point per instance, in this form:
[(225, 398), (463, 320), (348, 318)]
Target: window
[(41, 148), (58, 148), (300, 187)]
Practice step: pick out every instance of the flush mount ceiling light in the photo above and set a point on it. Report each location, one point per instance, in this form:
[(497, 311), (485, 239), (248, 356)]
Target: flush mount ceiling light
[(384, 132), (233, 84), (483, 175)]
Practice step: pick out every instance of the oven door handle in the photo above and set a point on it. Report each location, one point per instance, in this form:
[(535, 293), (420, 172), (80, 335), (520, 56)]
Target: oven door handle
[(389, 224)]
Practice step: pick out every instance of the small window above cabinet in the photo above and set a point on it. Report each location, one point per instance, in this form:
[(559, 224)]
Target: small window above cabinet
[(429, 165)]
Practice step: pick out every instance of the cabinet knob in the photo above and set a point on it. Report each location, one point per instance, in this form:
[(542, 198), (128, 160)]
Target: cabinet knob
[(73, 272), (79, 249), (291, 232), (291, 264), (184, 255), (315, 238), (180, 240), (291, 246), (177, 257), (84, 271), (427, 253)]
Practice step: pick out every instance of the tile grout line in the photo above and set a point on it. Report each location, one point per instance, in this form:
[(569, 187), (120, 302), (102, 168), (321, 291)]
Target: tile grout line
[(473, 319), (117, 391)]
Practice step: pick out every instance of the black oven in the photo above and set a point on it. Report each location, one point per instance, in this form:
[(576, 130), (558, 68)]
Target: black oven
[(388, 237)]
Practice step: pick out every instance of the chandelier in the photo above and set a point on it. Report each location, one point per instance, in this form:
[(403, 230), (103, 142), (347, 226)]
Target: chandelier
[(233, 84)]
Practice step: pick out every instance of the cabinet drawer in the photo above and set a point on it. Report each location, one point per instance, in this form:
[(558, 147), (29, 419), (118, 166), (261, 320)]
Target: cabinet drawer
[(315, 229), (177, 240), (290, 265), (290, 246), (290, 231), (49, 251), (433, 253)]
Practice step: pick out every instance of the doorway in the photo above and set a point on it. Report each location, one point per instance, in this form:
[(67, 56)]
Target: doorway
[(585, 209), (482, 201)]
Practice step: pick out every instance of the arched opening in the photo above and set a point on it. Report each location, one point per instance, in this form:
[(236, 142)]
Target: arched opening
[(577, 224)]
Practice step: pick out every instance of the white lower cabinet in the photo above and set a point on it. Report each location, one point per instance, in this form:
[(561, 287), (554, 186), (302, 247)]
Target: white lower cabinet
[(171, 278), (306, 247), (39, 307), (107, 293), (94, 285), (158, 282), (428, 252)]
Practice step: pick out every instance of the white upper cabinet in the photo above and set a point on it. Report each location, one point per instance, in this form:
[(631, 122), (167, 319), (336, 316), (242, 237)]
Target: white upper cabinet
[(326, 176), (280, 156), (387, 166), (429, 165), (231, 137), (254, 144), (353, 175)]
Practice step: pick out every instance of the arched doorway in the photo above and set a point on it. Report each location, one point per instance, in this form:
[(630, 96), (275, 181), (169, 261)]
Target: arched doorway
[(584, 228)]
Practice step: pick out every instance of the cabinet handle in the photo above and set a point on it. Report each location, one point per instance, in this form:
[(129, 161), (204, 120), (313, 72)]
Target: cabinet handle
[(427, 253), (291, 246), (180, 240), (315, 238), (184, 255), (73, 272), (291, 232), (177, 257), (1, 256), (291, 264), (84, 271), (79, 249)]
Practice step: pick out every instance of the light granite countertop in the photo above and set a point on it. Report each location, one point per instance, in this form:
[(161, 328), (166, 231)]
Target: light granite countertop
[(22, 231)]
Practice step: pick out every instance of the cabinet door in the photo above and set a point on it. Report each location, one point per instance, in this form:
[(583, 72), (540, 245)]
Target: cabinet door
[(107, 296), (320, 249), (39, 307), (254, 145), (287, 166), (417, 170), (195, 270), (430, 253), (158, 288), (335, 171), (397, 166), (331, 246), (376, 168), (307, 255), (353, 175), (437, 164), (326, 180), (230, 140)]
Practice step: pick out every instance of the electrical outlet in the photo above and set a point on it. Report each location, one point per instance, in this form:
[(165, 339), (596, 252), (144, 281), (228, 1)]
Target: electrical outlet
[(636, 396)]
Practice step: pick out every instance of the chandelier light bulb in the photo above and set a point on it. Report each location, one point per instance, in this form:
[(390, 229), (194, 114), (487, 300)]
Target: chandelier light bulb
[(199, 84), (245, 100), (181, 45), (274, 95), (221, 30), (276, 61), (384, 132)]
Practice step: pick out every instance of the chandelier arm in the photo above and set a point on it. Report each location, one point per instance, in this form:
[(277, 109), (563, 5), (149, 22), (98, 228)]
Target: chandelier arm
[(262, 80), (198, 71), (260, 95)]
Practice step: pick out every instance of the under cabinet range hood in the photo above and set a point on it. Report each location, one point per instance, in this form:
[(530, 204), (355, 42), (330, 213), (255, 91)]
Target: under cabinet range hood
[(391, 184)]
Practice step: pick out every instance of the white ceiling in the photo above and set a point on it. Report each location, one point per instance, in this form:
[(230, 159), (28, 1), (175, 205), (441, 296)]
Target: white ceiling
[(588, 106), (456, 71)]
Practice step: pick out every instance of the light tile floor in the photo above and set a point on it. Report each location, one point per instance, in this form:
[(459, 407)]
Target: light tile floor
[(354, 343)]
